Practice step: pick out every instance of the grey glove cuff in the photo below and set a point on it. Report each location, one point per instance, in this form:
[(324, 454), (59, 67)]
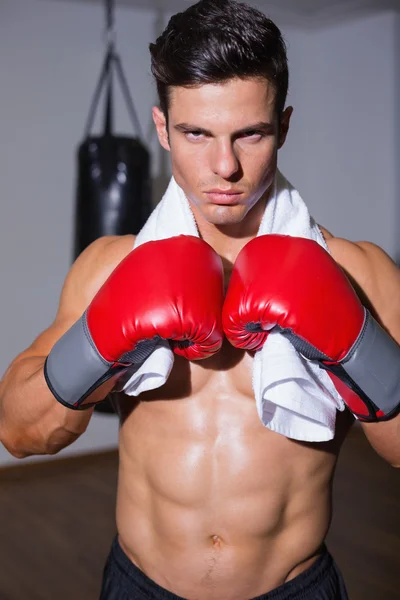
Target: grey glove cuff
[(373, 363), (74, 367)]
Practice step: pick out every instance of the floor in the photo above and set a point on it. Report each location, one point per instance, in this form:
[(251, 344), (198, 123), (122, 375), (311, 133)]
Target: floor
[(57, 523)]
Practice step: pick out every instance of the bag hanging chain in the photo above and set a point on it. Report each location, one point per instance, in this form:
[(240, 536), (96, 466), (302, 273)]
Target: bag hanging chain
[(110, 40), (110, 32), (112, 61)]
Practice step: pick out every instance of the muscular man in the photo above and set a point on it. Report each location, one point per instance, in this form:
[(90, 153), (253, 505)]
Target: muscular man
[(211, 504)]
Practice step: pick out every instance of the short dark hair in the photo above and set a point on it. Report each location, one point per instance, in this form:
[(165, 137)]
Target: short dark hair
[(214, 41)]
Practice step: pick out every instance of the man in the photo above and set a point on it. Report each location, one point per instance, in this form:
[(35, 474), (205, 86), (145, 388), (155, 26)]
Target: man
[(211, 504)]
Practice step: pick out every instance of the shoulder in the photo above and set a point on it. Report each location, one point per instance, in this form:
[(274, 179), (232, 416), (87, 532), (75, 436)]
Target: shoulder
[(92, 268), (364, 260), (373, 274), (367, 262), (86, 276), (103, 255)]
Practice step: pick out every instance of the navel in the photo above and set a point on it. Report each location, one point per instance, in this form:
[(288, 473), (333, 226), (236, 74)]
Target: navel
[(216, 541)]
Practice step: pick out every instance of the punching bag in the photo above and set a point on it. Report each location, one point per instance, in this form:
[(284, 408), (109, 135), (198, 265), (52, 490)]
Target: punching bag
[(113, 195), (113, 191)]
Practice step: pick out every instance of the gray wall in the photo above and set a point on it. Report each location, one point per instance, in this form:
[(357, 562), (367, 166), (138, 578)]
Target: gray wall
[(342, 151)]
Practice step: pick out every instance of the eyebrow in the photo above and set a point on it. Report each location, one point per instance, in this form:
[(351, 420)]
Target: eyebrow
[(261, 125)]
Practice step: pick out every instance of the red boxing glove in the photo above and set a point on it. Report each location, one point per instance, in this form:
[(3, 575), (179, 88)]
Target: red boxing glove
[(292, 285), (169, 289)]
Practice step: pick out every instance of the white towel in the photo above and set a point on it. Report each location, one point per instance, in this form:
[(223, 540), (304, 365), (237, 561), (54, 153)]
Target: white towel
[(294, 397)]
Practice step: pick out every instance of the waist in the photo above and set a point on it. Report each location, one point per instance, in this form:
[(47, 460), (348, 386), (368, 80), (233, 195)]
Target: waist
[(241, 583)]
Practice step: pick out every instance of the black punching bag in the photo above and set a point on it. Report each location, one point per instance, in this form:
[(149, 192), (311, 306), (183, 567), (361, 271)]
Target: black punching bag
[(113, 191), (113, 195)]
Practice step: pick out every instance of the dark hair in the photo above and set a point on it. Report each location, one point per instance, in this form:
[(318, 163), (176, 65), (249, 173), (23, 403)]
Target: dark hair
[(214, 41)]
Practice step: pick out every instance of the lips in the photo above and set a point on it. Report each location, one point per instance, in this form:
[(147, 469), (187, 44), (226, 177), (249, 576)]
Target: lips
[(223, 196), (223, 191)]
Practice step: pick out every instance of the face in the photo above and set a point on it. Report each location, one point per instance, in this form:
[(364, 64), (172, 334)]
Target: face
[(224, 139)]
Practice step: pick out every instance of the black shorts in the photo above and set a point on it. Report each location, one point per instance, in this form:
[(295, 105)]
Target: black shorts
[(122, 580)]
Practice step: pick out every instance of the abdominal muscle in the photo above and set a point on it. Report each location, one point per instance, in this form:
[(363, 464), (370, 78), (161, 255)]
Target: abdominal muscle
[(210, 503)]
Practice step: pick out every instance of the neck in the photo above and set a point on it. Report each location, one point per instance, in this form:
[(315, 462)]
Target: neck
[(228, 240)]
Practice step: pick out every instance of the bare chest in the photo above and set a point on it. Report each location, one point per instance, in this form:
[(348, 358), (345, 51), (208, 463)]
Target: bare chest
[(206, 417)]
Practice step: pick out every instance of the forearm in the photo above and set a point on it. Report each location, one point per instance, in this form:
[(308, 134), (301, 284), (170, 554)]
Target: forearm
[(384, 437), (31, 419)]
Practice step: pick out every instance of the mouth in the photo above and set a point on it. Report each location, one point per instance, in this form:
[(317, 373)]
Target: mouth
[(225, 198)]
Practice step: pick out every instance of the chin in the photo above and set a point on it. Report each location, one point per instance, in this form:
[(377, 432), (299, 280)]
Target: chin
[(224, 215), (220, 222)]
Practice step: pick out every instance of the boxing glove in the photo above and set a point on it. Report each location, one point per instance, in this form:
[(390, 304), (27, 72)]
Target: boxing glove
[(293, 286), (169, 289)]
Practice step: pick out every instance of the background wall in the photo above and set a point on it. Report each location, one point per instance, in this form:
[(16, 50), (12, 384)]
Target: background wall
[(342, 151)]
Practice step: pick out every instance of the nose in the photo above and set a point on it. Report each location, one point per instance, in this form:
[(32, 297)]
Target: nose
[(224, 160)]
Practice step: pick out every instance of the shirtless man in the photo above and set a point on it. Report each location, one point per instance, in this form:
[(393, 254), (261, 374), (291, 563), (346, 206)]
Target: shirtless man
[(211, 504)]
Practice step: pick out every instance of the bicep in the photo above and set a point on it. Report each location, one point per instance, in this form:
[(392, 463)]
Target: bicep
[(384, 437)]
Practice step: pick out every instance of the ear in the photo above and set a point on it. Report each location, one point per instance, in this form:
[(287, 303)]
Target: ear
[(284, 127), (161, 126)]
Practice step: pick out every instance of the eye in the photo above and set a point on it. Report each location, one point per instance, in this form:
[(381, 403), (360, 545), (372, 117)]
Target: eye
[(252, 134), (194, 135)]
